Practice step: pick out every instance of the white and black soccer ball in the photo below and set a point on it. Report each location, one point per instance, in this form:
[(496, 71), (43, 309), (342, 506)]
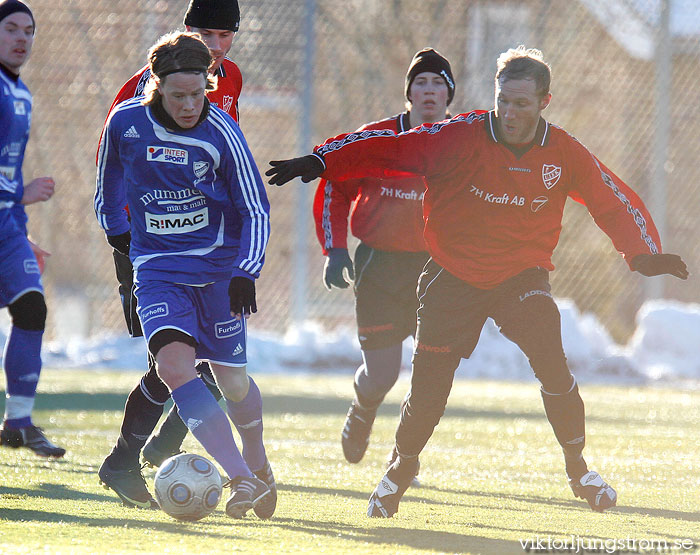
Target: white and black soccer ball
[(187, 486)]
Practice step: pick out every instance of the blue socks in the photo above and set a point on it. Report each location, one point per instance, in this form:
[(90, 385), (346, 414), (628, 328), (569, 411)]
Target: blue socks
[(22, 365), (208, 423), (247, 417)]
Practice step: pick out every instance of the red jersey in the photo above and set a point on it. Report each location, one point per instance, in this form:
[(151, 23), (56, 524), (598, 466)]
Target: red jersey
[(491, 212), (225, 97), (384, 214)]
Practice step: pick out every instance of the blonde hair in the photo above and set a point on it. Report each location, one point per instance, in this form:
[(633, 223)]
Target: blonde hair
[(525, 63), (177, 52)]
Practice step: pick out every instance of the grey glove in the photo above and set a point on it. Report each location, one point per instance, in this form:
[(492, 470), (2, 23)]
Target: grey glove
[(337, 261)]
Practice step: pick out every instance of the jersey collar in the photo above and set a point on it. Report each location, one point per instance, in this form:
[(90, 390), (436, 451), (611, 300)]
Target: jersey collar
[(403, 122), (168, 122), (541, 135), (14, 77)]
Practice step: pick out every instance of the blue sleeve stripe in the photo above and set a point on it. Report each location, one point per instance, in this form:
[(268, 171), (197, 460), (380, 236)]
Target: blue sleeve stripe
[(99, 189), (247, 181), (7, 185), (102, 156)]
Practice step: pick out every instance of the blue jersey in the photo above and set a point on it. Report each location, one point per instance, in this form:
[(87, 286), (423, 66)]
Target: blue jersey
[(199, 211), (15, 119)]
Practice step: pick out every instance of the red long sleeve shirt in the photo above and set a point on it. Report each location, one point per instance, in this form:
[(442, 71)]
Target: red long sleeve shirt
[(386, 214), (489, 213)]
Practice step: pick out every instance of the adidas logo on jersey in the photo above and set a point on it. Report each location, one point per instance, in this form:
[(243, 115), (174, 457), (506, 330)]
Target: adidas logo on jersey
[(193, 423), (238, 350), (131, 133)]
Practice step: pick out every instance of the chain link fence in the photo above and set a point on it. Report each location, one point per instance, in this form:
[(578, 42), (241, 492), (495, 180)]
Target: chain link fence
[(625, 83)]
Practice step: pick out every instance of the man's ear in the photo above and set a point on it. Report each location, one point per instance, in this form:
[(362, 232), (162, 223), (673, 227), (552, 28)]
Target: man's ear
[(545, 101)]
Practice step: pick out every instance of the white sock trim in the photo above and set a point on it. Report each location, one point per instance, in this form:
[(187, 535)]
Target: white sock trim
[(18, 406), (573, 385)]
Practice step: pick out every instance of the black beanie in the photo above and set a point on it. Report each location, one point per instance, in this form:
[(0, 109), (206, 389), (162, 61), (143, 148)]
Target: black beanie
[(213, 14), (8, 7), (434, 62)]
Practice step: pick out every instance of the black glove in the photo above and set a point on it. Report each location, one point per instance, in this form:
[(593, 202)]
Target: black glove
[(241, 294), (125, 276), (658, 264), (120, 243), (307, 167), (338, 259)]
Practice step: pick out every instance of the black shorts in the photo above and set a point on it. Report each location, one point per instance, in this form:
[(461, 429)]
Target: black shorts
[(385, 295), (452, 314), (125, 276)]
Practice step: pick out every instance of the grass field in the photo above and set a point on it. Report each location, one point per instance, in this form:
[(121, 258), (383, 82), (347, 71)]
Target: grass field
[(491, 476)]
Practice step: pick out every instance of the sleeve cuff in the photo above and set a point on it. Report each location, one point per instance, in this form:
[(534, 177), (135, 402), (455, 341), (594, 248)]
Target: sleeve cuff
[(237, 272)]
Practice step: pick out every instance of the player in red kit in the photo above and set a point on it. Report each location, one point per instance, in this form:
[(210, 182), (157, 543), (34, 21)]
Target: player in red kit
[(496, 185), (387, 217)]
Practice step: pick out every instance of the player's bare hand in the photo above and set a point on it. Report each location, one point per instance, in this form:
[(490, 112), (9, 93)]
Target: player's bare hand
[(307, 167), (38, 190), (659, 264), (40, 254)]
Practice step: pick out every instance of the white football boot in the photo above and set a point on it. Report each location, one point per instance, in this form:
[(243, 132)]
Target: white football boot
[(591, 487)]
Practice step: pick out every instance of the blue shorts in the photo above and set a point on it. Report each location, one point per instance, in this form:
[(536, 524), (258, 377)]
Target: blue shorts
[(201, 312), (19, 270)]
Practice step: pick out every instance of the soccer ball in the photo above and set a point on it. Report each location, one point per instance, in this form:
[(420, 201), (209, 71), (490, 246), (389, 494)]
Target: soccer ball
[(187, 486)]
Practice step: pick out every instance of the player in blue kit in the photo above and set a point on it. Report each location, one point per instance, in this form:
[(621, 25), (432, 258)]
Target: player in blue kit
[(198, 230), (21, 290)]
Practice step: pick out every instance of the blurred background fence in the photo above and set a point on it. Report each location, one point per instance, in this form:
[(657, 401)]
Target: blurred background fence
[(625, 83)]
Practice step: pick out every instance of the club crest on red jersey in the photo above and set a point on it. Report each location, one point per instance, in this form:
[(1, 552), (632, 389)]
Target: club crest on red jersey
[(228, 102), (550, 175)]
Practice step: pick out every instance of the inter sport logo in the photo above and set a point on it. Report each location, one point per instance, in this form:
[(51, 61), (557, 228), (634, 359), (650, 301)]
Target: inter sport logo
[(165, 154)]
